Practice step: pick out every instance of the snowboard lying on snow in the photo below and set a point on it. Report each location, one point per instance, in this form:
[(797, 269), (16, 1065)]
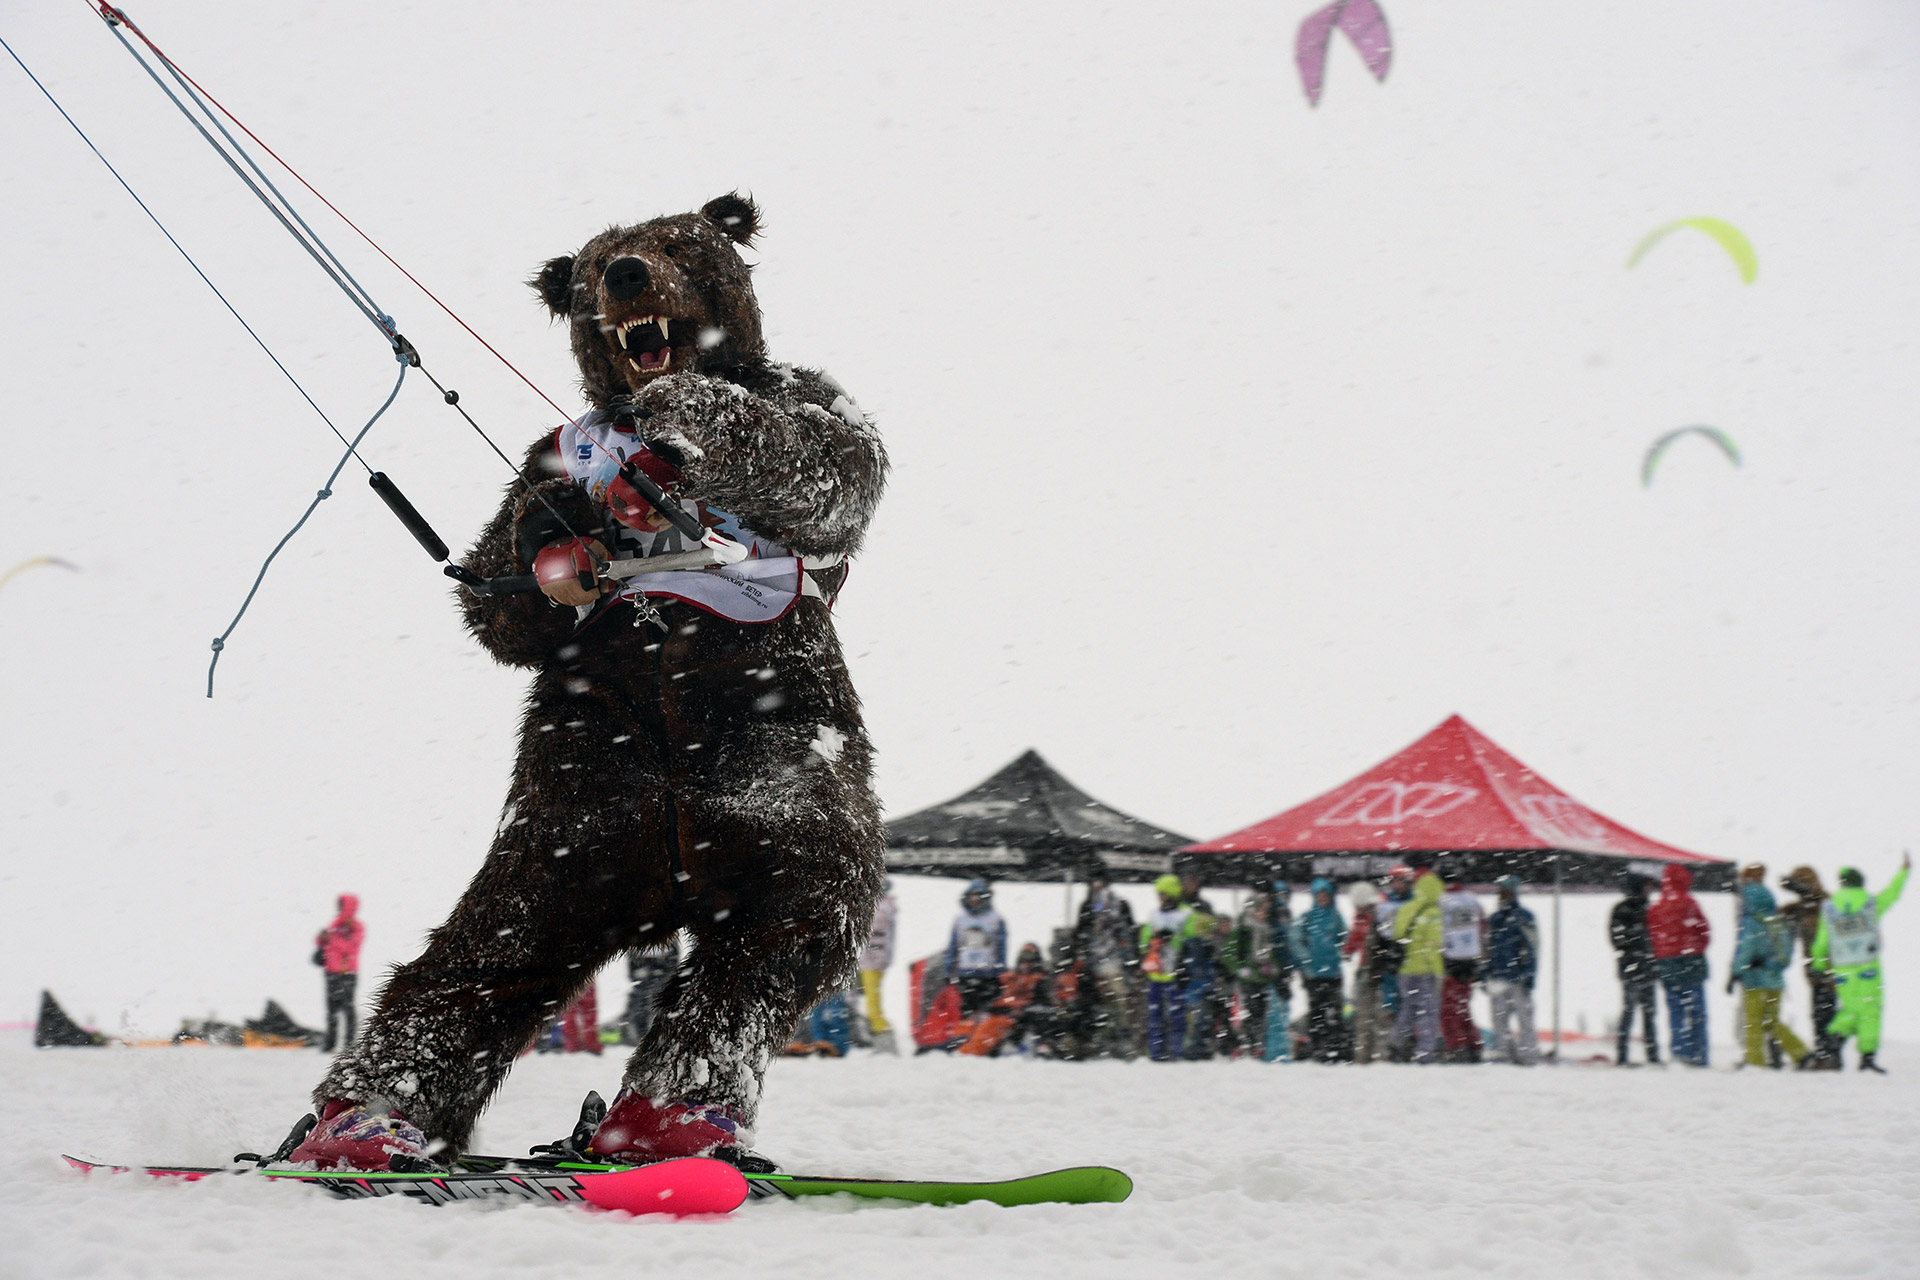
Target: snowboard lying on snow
[(691, 1185)]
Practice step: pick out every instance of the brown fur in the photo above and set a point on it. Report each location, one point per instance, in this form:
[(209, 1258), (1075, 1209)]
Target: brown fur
[(715, 778)]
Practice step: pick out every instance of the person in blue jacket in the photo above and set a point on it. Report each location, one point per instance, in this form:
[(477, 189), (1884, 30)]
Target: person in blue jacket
[(1316, 939), (1760, 960), (977, 949), (1513, 961)]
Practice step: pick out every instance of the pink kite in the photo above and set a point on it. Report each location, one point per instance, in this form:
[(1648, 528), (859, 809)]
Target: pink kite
[(1364, 24)]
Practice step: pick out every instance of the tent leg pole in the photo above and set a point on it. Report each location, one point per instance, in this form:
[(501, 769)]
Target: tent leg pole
[(1556, 959), (1066, 891)]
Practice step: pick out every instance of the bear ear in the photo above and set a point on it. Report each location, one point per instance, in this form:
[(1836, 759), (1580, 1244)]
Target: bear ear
[(554, 283), (737, 215)]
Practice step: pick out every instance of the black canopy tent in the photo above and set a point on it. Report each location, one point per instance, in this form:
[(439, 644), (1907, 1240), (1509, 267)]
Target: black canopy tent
[(1027, 822)]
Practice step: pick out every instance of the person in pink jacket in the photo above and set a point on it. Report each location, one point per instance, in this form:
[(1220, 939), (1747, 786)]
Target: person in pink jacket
[(337, 952)]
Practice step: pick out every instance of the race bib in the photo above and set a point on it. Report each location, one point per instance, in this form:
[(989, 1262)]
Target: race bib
[(976, 949), (1460, 933), (1853, 937)]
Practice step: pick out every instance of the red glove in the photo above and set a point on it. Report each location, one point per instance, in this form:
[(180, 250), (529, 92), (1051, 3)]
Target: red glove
[(559, 565), (625, 503)]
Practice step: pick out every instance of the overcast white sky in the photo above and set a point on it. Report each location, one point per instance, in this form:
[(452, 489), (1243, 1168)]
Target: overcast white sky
[(1236, 443)]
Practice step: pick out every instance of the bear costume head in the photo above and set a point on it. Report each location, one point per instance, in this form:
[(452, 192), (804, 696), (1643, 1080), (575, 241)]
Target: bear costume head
[(658, 297)]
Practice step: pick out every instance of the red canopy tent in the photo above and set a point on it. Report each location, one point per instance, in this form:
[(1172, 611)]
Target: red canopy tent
[(1455, 800)]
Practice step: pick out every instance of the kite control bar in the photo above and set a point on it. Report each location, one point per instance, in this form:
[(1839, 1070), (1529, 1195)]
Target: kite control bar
[(711, 550), (714, 551)]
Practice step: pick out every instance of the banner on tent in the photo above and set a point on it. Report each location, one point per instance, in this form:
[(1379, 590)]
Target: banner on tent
[(1000, 856)]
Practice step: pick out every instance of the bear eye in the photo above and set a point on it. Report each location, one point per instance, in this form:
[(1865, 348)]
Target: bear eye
[(671, 248)]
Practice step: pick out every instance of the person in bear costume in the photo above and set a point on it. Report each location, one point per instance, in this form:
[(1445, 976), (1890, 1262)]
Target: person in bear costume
[(691, 759)]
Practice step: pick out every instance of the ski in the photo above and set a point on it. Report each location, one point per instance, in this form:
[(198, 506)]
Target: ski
[(1087, 1184), (677, 1187)]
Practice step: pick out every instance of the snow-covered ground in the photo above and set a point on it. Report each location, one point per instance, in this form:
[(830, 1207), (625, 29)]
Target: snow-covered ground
[(1239, 1169)]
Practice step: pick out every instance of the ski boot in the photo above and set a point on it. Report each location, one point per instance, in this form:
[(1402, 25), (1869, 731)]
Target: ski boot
[(351, 1135), (638, 1129), (1868, 1064)]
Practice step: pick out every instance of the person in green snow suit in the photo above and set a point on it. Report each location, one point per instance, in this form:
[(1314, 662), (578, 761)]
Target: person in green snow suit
[(1848, 946), (1417, 924)]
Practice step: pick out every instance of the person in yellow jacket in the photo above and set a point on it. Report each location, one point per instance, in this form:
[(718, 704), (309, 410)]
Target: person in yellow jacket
[(1848, 946), (1417, 924), (1160, 938)]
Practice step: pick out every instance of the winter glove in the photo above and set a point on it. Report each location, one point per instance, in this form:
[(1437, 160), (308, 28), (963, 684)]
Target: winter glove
[(559, 565)]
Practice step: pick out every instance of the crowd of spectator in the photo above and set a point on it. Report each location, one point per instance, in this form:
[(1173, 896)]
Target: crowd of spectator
[(1393, 976)]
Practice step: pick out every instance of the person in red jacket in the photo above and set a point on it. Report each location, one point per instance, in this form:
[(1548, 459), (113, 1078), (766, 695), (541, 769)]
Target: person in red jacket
[(337, 952), (1679, 933)]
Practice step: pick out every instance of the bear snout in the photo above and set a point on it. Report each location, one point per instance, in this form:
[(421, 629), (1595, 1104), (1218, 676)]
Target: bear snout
[(625, 279)]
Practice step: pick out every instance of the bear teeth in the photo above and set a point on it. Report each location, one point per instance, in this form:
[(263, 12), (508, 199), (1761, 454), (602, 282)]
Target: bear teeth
[(628, 326)]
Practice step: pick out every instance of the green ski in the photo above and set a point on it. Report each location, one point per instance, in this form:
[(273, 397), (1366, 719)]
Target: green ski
[(1085, 1185), (1088, 1184)]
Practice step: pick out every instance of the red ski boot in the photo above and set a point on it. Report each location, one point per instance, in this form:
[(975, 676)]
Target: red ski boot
[(640, 1129), (350, 1135)]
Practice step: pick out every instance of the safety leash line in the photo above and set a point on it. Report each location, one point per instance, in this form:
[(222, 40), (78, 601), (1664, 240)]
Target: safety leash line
[(353, 445), (326, 491), (231, 310), (284, 212), (638, 479), (104, 9), (329, 262), (116, 18)]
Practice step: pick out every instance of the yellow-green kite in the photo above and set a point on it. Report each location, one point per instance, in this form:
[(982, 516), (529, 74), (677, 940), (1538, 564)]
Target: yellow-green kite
[(1725, 234)]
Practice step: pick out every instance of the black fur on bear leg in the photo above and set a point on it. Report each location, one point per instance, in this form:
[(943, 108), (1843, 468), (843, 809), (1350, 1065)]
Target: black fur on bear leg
[(748, 977), (572, 877)]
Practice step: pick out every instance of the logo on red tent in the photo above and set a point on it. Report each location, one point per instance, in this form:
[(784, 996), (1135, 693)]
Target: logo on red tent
[(1390, 803), (1564, 819)]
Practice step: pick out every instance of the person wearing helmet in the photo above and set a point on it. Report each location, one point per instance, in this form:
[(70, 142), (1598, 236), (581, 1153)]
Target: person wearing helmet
[(1848, 946), (1159, 963), (977, 949)]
